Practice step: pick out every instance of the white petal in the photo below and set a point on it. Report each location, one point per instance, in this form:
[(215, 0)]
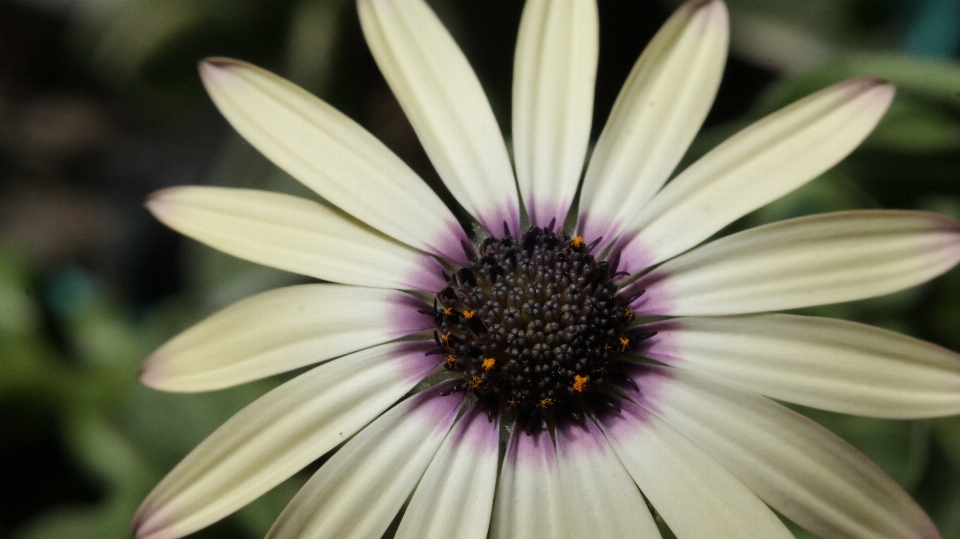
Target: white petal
[(827, 258), (695, 495), (277, 435), (442, 97), (819, 362), (331, 154), (599, 497), (798, 467), (529, 500), (455, 496), (757, 165), (279, 331), (555, 69), (657, 114), (359, 491), (294, 234)]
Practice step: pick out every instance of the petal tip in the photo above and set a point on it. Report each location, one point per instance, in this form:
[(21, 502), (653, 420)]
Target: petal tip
[(880, 89), (216, 71), (715, 10), (209, 65), (146, 526), (159, 203), (148, 376)]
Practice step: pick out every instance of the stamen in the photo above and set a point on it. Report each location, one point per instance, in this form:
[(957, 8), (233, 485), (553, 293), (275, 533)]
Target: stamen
[(532, 326)]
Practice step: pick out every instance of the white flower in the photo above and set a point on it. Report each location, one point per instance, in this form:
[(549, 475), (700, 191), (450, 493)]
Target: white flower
[(618, 356)]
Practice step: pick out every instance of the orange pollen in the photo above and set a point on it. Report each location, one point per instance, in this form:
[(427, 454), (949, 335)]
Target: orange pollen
[(489, 363), (451, 361), (579, 383), (628, 314), (512, 403), (576, 242), (624, 343), (474, 382), (445, 338), (606, 347), (468, 314), (546, 402), (448, 311)]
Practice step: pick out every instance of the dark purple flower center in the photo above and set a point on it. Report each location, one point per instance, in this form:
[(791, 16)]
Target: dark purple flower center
[(532, 326)]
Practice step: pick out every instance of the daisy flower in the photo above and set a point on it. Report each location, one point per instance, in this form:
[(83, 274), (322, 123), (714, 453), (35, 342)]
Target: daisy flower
[(623, 366)]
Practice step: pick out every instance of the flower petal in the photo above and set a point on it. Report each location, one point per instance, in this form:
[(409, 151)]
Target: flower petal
[(529, 499), (813, 260), (798, 467), (600, 498), (294, 234), (277, 435), (554, 72), (445, 103), (757, 165), (332, 155), (695, 495), (281, 330), (819, 362), (455, 496), (360, 490), (657, 114)]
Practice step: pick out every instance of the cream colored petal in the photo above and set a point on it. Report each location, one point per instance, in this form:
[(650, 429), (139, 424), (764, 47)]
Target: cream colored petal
[(819, 362), (455, 497), (798, 467), (695, 495), (444, 102), (279, 331), (294, 234), (657, 114), (599, 497), (827, 258), (277, 435), (529, 500), (757, 165), (360, 490), (554, 73), (332, 155)]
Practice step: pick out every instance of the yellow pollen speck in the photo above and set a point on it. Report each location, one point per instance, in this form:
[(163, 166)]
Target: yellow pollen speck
[(546, 402), (628, 314), (468, 314), (576, 242), (448, 311), (624, 343), (451, 361), (489, 363), (512, 403), (474, 382), (579, 383), (606, 347), (445, 338)]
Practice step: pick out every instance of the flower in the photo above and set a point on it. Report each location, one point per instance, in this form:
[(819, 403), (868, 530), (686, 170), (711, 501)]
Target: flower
[(616, 355)]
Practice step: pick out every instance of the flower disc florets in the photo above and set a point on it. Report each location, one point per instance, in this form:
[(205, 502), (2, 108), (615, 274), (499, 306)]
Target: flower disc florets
[(532, 325)]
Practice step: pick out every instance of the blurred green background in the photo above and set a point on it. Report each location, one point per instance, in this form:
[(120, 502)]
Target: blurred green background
[(100, 104)]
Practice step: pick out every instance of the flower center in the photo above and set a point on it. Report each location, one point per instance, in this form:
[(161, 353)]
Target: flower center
[(532, 325)]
